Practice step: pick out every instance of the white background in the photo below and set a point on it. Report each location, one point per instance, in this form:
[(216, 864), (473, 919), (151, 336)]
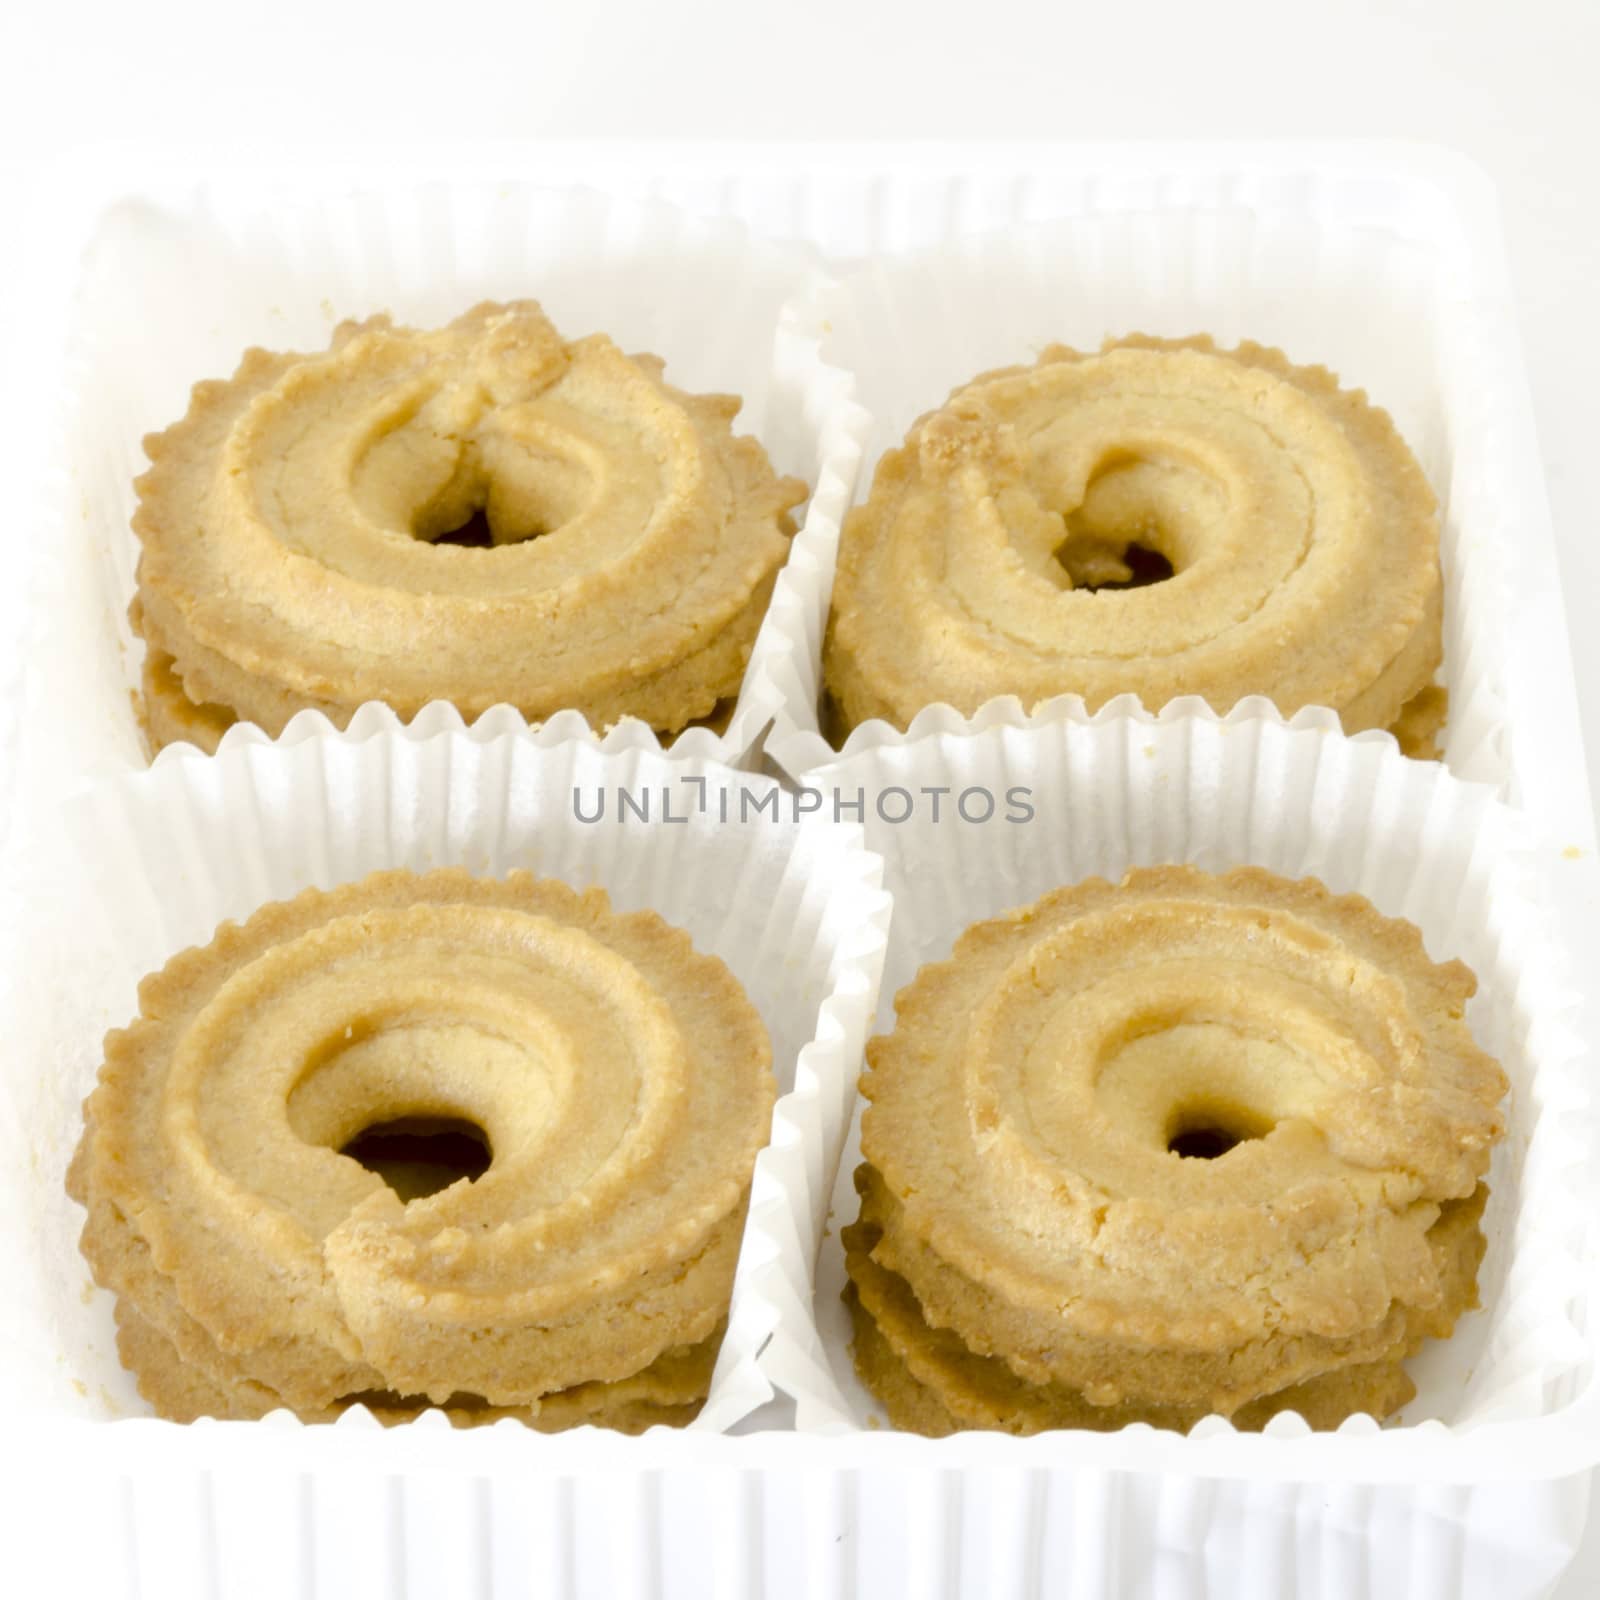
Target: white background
[(1510, 84)]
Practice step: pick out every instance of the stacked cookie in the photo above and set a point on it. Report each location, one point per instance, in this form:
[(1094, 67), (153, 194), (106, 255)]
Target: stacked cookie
[(1161, 519), (621, 1086), (483, 514), (1180, 1146)]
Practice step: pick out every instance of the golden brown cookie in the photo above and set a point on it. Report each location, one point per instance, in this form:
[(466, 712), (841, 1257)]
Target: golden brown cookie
[(669, 1392), (1420, 723), (1161, 518), (1173, 1147), (169, 716), (619, 1084), (483, 514), (916, 1407), (977, 1391)]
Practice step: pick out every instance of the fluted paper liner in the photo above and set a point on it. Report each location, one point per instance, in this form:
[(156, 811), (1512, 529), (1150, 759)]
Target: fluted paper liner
[(1125, 789), (1382, 308), (174, 294), (153, 863)]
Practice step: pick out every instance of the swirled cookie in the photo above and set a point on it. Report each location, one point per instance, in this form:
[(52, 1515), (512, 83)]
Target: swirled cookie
[(1179, 1146), (482, 514), (619, 1084), (1162, 519)]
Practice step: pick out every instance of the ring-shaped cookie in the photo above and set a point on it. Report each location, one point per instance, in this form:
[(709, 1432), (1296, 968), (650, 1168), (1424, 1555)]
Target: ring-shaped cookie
[(621, 1082), (999, 550), (297, 532), (1031, 1162)]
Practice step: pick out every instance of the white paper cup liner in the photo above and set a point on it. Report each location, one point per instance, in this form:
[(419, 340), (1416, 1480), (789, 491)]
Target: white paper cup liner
[(1382, 306), (153, 863), (1126, 788), (173, 290), (782, 683)]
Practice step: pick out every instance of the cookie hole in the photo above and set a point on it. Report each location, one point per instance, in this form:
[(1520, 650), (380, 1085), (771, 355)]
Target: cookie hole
[(419, 1156), (1205, 1134), (478, 533), (1119, 534), (498, 495), (1202, 1144), (473, 534), (1096, 563)]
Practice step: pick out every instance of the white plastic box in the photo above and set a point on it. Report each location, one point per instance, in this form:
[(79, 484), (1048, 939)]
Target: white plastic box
[(1386, 264)]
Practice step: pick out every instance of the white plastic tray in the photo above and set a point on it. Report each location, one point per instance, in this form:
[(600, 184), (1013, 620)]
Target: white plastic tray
[(1495, 1511)]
